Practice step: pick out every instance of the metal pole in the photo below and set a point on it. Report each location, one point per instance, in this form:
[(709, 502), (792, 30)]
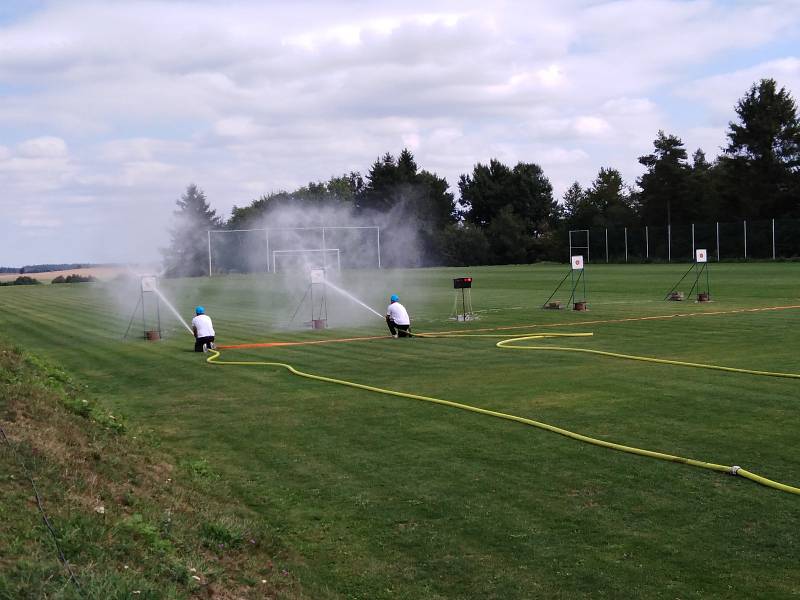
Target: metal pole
[(583, 276), (209, 252), (324, 260), (144, 323), (572, 284), (378, 229), (626, 244), (669, 243), (744, 225), (717, 241), (266, 232), (692, 257), (606, 245), (773, 239), (158, 315), (646, 242)]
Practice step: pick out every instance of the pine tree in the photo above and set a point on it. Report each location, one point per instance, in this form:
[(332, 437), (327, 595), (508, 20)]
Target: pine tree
[(664, 187), (610, 200), (187, 254), (761, 165)]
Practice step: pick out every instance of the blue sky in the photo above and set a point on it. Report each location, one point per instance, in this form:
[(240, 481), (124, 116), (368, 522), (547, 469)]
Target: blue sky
[(109, 109)]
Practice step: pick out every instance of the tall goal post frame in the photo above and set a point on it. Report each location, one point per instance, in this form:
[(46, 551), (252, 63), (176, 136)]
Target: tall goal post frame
[(267, 230), (575, 248), (312, 251)]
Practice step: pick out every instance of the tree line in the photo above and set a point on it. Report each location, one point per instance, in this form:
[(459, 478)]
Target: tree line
[(508, 214)]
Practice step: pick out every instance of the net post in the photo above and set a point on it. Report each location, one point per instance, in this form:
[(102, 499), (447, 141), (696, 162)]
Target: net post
[(209, 252), (626, 244), (266, 235), (773, 239), (378, 230), (669, 243), (744, 226)]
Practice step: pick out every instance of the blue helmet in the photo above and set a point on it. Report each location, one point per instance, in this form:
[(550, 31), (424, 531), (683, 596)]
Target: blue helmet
[(394, 298), (200, 310)]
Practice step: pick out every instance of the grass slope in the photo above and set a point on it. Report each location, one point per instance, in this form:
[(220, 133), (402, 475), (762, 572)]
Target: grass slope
[(129, 522), (379, 497)]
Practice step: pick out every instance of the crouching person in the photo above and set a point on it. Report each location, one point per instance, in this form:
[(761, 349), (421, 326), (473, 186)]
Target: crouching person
[(397, 318), (203, 331)]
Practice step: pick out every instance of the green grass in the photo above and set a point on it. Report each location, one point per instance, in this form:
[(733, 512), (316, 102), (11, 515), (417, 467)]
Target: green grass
[(129, 522), (380, 497)]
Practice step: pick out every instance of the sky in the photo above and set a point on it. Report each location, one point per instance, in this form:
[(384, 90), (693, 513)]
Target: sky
[(109, 109)]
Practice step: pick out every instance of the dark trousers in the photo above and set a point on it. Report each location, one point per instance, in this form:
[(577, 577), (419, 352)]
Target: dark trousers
[(400, 330), (198, 342)]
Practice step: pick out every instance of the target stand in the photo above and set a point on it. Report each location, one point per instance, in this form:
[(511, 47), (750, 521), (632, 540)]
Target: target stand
[(315, 294), (577, 277), (462, 300), (698, 269), (150, 310)]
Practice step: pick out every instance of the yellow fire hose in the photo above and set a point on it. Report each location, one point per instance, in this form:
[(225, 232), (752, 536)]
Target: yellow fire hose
[(509, 344)]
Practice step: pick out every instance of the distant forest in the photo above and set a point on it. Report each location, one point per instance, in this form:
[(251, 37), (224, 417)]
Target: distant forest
[(47, 268), (508, 214)]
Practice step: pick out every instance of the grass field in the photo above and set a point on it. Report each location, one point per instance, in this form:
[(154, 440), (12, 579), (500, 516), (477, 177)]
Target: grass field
[(382, 497)]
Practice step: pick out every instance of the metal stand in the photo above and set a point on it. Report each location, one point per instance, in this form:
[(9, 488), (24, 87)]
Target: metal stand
[(575, 281), (318, 301), (698, 269), (555, 291), (581, 278), (147, 333), (462, 311)]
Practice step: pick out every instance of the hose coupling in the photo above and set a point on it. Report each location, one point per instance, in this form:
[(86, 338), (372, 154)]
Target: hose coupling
[(735, 469)]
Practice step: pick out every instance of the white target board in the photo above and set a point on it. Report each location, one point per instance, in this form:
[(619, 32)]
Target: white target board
[(701, 255), (317, 275), (577, 263), (149, 284)]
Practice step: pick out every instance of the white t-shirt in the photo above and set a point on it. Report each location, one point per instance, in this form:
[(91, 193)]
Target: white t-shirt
[(203, 325), (398, 313)]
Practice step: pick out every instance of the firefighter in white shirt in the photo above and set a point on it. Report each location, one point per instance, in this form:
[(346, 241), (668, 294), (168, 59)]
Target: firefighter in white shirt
[(397, 318), (203, 331)]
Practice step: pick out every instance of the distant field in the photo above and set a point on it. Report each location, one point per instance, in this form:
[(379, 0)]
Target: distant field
[(102, 273), (382, 497)]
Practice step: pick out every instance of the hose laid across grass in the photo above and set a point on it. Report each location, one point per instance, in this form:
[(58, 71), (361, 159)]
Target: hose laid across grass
[(508, 344)]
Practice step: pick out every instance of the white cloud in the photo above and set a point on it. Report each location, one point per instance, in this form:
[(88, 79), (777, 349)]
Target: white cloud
[(43, 147), (720, 92), (237, 127), (591, 126)]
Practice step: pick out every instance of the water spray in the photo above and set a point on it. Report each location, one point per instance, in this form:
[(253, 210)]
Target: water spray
[(151, 318), (174, 310), (317, 287), (347, 294)]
